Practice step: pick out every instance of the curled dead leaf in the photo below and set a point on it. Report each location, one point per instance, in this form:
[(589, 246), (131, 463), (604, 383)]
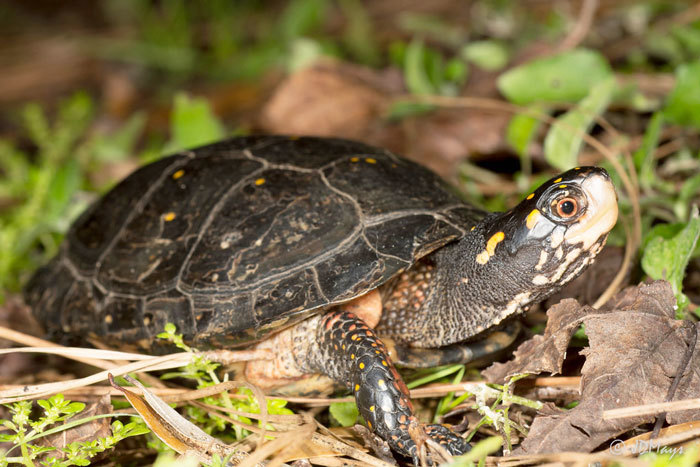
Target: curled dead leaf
[(172, 428), (636, 349)]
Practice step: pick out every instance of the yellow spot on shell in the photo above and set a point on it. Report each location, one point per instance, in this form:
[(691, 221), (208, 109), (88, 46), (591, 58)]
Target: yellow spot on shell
[(562, 186), (357, 387), (577, 168), (108, 319), (532, 218), (354, 159), (530, 196), (362, 366), (371, 408), (352, 356), (369, 160), (343, 346), (493, 241), (384, 362), (259, 181), (381, 383), (167, 217), (473, 227), (557, 180), (178, 174)]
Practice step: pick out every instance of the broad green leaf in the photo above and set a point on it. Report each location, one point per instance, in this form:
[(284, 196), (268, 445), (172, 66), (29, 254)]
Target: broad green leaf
[(667, 258), (193, 123), (345, 413), (567, 77), (683, 105), (564, 139), (489, 55)]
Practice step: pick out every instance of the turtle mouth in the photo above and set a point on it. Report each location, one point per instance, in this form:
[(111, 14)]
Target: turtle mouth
[(601, 213)]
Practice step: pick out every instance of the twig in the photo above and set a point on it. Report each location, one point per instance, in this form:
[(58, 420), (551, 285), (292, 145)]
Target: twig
[(651, 409), (582, 26)]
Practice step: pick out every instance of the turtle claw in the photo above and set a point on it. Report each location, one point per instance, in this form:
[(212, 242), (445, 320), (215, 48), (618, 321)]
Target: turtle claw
[(454, 444), (430, 444)]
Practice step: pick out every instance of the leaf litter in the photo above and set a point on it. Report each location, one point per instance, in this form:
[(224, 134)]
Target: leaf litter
[(636, 349)]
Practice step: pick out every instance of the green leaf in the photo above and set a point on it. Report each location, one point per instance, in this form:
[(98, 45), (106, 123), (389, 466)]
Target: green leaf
[(120, 144), (683, 104), (644, 156), (359, 36), (415, 73), (64, 184), (563, 142), (490, 55), (478, 452), (566, 77), (303, 53), (521, 129), (345, 413), (667, 258), (193, 123), (301, 17), (404, 109)]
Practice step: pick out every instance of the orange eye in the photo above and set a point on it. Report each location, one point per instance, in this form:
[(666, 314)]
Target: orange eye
[(567, 207)]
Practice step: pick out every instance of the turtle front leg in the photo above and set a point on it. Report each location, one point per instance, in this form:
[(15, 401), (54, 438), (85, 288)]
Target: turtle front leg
[(347, 350), (342, 346)]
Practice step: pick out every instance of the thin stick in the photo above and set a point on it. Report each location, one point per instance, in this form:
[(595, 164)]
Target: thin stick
[(582, 26)]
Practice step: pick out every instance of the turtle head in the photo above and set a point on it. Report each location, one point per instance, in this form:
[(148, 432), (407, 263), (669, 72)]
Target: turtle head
[(511, 260), (556, 231)]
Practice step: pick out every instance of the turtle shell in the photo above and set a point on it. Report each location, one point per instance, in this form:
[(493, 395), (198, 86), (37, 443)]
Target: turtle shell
[(237, 239)]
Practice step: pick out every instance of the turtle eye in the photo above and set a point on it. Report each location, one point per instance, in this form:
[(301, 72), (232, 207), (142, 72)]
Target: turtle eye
[(567, 207)]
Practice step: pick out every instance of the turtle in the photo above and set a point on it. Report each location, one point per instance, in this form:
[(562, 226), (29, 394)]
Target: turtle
[(322, 250)]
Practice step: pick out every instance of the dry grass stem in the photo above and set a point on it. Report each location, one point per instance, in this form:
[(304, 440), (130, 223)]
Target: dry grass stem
[(650, 409)]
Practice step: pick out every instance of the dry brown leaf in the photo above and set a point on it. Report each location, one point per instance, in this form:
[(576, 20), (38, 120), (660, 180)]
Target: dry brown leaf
[(172, 428), (328, 99), (636, 348), (543, 353), (351, 101)]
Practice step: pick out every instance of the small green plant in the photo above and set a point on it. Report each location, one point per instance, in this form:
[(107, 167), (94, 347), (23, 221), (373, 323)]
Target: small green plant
[(203, 371), (23, 432), (40, 189), (496, 414), (42, 192)]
